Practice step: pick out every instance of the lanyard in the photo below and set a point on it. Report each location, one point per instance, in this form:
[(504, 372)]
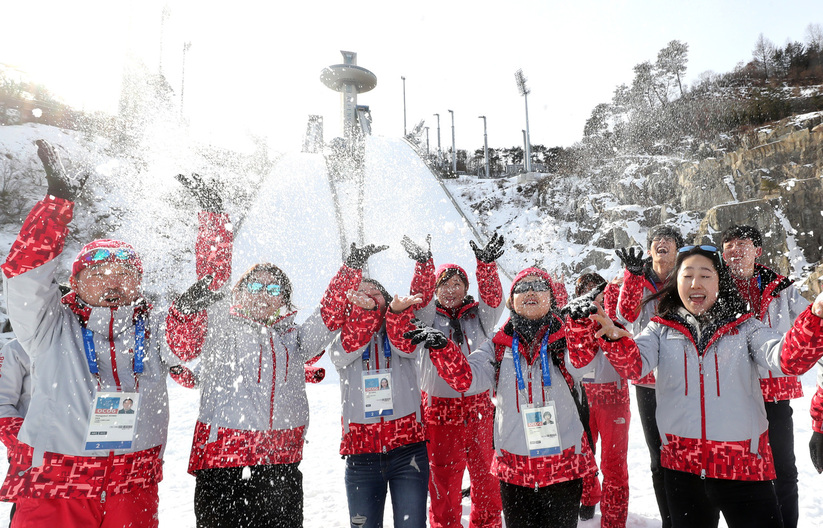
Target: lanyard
[(386, 349), (544, 362), (139, 347)]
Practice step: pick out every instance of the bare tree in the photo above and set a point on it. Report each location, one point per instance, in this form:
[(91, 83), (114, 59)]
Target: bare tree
[(763, 52), (814, 36)]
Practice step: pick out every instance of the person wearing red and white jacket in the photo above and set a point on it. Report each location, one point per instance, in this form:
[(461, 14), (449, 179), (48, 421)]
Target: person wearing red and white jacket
[(642, 279), (607, 394), (777, 303), (15, 393), (816, 410), (542, 451), (248, 440), (706, 347), (86, 347), (382, 439), (458, 425)]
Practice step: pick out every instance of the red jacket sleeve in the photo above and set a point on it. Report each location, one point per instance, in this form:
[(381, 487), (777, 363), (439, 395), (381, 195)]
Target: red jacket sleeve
[(359, 327), (803, 345), (449, 361), (41, 238), (9, 427), (488, 283), (561, 295), (185, 334), (213, 247), (817, 410), (580, 341), (334, 307), (624, 356), (610, 297), (423, 282), (185, 377), (631, 295)]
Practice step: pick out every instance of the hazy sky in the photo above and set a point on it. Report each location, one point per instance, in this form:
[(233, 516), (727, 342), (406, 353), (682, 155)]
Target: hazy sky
[(255, 66)]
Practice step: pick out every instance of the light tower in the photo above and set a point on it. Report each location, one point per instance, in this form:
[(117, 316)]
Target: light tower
[(349, 79)]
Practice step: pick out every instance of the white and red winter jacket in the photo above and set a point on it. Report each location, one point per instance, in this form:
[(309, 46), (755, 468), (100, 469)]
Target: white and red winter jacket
[(361, 330), (491, 367), (711, 417), (15, 390), (50, 460), (476, 320), (253, 404), (780, 303)]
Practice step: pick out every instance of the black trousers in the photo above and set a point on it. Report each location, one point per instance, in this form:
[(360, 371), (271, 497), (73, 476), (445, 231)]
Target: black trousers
[(695, 502), (781, 439), (647, 407), (270, 497), (554, 506)]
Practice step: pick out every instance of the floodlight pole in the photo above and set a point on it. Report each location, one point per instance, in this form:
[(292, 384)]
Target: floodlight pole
[(186, 46), (427, 141), (404, 105), (454, 151), (438, 139), (524, 91), (485, 146)]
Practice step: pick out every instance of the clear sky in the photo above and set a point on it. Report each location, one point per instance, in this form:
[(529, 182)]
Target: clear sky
[(255, 66)]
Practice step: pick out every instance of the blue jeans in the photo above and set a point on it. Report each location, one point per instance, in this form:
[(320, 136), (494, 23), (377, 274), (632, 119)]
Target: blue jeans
[(405, 470)]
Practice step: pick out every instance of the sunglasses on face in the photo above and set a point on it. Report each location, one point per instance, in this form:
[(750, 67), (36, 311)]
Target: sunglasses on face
[(535, 286), (101, 254), (257, 287), (710, 249)]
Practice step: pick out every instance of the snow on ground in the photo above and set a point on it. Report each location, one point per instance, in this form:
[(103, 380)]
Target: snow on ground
[(293, 225)]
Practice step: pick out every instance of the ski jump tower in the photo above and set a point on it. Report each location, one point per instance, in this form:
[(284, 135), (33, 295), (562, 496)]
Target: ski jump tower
[(350, 79)]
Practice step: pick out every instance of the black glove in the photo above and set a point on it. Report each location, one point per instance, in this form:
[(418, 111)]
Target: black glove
[(431, 338), (491, 252), (816, 450), (632, 259), (198, 297), (417, 252), (205, 194), (583, 306), (358, 256), (60, 185)]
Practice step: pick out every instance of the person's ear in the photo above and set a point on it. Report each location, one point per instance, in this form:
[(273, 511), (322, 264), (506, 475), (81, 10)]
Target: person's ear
[(758, 252)]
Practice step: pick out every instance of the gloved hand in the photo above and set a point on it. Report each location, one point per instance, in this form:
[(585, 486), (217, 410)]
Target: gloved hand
[(198, 297), (359, 256), (60, 185), (583, 306), (183, 376), (205, 193), (632, 259), (491, 252), (816, 450), (417, 252), (431, 338)]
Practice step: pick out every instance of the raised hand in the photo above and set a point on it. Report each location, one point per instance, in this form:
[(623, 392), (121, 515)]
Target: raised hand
[(417, 252), (632, 259), (431, 338), (198, 297), (491, 251), (359, 256), (584, 306), (205, 193), (607, 327), (60, 184), (816, 450), (360, 299), (399, 303), (817, 306)]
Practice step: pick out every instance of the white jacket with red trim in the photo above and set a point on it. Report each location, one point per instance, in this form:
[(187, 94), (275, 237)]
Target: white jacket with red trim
[(15, 390), (710, 412)]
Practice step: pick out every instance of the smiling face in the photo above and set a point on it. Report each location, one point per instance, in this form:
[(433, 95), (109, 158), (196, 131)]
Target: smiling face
[(740, 254), (451, 293), (108, 284), (531, 304), (663, 251), (260, 305), (698, 284)]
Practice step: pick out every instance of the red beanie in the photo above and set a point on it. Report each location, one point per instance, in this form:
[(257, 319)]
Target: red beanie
[(543, 274), (94, 253), (443, 269)]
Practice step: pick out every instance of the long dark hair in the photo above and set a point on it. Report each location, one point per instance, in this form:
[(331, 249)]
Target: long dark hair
[(729, 301)]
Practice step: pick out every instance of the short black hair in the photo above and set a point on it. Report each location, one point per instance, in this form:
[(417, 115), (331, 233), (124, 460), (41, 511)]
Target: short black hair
[(586, 282), (660, 231), (737, 232), (383, 291)]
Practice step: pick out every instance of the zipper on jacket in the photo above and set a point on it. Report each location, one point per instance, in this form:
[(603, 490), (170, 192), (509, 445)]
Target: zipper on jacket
[(113, 351), (106, 476), (704, 448), (273, 381)]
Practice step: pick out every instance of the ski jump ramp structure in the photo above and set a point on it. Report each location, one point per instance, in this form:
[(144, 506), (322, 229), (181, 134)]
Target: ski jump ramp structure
[(293, 223)]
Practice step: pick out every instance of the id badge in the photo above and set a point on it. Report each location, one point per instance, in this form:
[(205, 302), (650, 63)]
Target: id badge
[(377, 393), (113, 420), (540, 424), (589, 377)]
